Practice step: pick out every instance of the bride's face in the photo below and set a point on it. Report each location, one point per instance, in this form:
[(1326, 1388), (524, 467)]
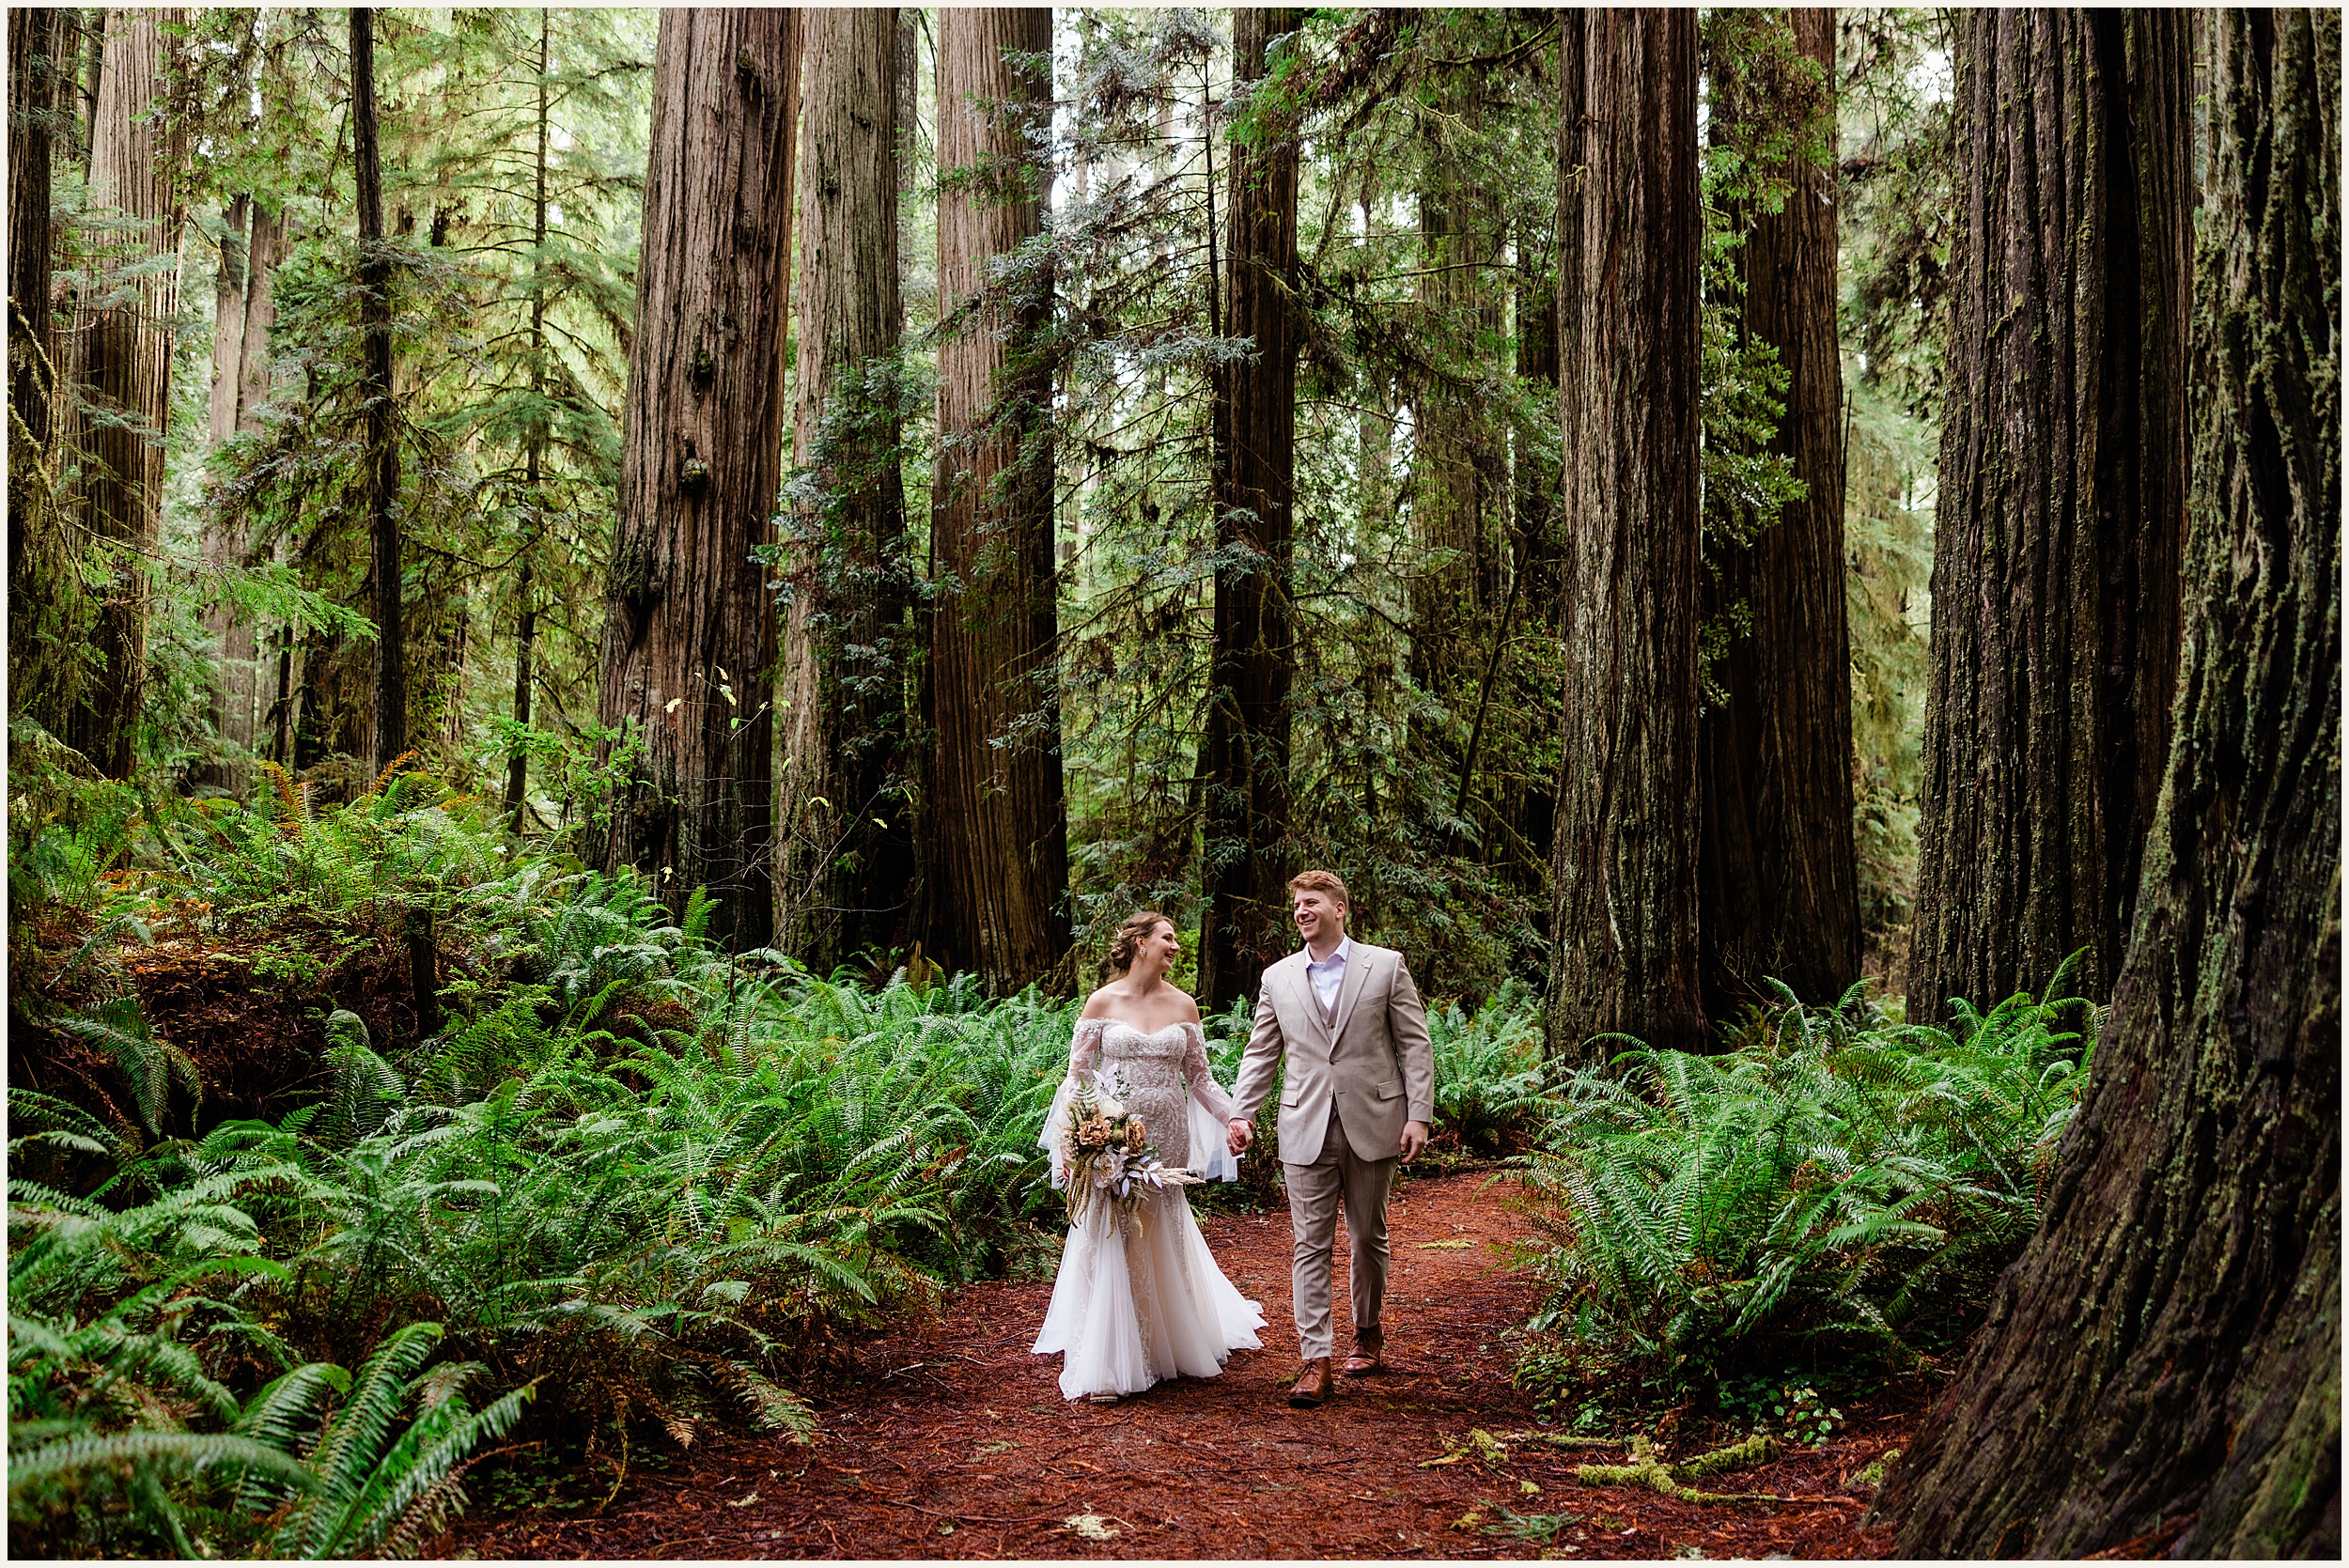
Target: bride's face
[(1159, 950)]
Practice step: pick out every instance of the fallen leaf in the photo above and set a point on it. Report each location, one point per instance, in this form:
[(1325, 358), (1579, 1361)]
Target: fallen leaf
[(1443, 1246), (743, 1502)]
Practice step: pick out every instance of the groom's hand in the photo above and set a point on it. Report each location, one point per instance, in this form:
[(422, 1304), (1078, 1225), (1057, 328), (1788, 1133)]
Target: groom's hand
[(1237, 1135), (1414, 1139)]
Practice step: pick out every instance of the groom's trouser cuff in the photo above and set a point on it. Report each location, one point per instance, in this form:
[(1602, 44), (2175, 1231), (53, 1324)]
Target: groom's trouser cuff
[(1315, 1191)]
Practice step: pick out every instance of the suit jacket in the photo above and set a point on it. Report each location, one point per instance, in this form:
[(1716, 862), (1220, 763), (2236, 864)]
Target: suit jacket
[(1375, 1065)]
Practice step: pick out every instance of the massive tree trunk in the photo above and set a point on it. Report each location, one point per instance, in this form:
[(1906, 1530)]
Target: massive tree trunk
[(2163, 1366), (126, 363), (243, 309), (1624, 866), (1460, 479), (999, 818), (847, 841), (689, 641), (2062, 510), (1779, 888), (1251, 493), (381, 488), (38, 40)]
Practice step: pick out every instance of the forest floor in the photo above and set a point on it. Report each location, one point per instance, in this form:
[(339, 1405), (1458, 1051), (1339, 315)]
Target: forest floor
[(957, 1444)]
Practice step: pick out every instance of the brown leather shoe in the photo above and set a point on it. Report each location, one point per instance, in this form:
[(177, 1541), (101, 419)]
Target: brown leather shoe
[(1313, 1386), (1369, 1354)]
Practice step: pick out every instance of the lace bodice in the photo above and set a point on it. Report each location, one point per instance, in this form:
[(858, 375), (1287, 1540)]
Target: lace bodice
[(1160, 1071)]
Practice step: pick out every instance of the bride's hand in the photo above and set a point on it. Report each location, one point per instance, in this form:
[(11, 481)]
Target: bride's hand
[(1237, 1135)]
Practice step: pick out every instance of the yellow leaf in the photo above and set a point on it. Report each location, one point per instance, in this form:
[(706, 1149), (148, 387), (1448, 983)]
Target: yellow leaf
[(675, 703)]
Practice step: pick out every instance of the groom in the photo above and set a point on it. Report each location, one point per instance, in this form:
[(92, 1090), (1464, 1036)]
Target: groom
[(1360, 1092)]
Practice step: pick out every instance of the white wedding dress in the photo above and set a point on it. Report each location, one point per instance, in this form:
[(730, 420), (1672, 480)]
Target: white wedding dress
[(1137, 1304)]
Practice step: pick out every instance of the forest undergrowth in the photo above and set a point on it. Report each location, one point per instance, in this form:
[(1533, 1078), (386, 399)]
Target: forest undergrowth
[(539, 1163)]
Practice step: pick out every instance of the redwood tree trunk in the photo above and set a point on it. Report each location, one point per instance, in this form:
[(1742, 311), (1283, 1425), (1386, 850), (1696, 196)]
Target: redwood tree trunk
[(39, 38), (1624, 866), (1779, 889), (2062, 510), (689, 639), (1460, 479), (382, 440), (243, 309), (126, 360), (2163, 1366), (1251, 494), (999, 821), (847, 848)]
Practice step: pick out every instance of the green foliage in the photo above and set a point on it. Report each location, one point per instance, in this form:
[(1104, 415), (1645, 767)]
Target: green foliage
[(655, 1182), (1837, 1181)]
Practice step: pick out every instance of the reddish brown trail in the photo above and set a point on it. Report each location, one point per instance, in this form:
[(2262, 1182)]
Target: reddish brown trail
[(958, 1445)]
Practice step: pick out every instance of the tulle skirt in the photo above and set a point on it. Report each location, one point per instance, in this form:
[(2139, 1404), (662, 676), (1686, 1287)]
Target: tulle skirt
[(1143, 1302)]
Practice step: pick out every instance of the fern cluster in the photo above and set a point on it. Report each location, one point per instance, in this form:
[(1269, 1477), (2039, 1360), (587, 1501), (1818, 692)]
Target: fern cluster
[(649, 1183), (1837, 1181)]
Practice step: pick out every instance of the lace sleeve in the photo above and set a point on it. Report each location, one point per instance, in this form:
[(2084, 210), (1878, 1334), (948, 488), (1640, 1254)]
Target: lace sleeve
[(1204, 1087), (1084, 1050), (1084, 1054)]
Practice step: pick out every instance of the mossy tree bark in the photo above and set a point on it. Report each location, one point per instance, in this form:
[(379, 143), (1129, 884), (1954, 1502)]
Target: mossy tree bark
[(1624, 866), (689, 641), (2163, 1365), (2063, 500), (125, 362), (847, 853), (243, 308), (1252, 495), (1459, 486), (1779, 880), (999, 819)]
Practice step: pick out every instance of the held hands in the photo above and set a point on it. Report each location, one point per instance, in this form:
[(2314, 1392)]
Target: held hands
[(1237, 1135), (1414, 1139)]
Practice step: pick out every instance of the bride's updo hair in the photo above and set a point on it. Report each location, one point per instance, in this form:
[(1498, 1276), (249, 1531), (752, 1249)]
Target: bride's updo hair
[(1130, 936)]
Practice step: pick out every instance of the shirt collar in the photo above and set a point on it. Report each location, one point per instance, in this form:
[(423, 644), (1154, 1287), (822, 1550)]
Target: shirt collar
[(1345, 950)]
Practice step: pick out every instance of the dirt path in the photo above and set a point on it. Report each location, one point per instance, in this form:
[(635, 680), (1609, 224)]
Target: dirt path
[(960, 1446)]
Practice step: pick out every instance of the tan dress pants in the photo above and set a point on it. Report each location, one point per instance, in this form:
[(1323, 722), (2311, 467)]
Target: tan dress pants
[(1314, 1192)]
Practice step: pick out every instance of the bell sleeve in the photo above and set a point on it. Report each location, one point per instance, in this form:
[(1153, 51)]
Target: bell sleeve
[(1209, 1109), (1084, 1055)]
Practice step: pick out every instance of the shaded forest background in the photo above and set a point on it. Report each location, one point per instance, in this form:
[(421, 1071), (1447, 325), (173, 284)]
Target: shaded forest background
[(225, 616)]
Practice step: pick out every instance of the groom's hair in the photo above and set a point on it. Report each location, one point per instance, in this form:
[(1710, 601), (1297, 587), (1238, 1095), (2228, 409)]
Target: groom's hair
[(1320, 881)]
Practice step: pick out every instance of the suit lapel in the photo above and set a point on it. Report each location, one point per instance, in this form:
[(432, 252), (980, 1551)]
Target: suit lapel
[(1350, 988), (1310, 1002)]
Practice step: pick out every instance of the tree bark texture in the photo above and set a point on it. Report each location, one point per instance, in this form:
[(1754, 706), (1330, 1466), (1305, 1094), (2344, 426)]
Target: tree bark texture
[(689, 643), (1624, 866), (2063, 500), (999, 822), (1252, 495), (383, 437), (1779, 885), (845, 825), (126, 365), (2163, 1365), (243, 311), (1459, 469), (39, 38)]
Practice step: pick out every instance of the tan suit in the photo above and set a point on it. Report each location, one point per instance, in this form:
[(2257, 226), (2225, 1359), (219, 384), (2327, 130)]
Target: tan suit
[(1355, 1076)]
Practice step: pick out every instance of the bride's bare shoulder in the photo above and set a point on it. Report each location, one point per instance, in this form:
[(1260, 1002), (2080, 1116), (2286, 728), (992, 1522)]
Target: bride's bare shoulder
[(1097, 1006)]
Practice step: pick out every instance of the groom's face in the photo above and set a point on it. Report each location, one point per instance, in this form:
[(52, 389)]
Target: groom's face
[(1320, 916)]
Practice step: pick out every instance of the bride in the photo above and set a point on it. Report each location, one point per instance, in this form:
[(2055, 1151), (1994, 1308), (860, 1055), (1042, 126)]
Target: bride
[(1146, 1301)]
